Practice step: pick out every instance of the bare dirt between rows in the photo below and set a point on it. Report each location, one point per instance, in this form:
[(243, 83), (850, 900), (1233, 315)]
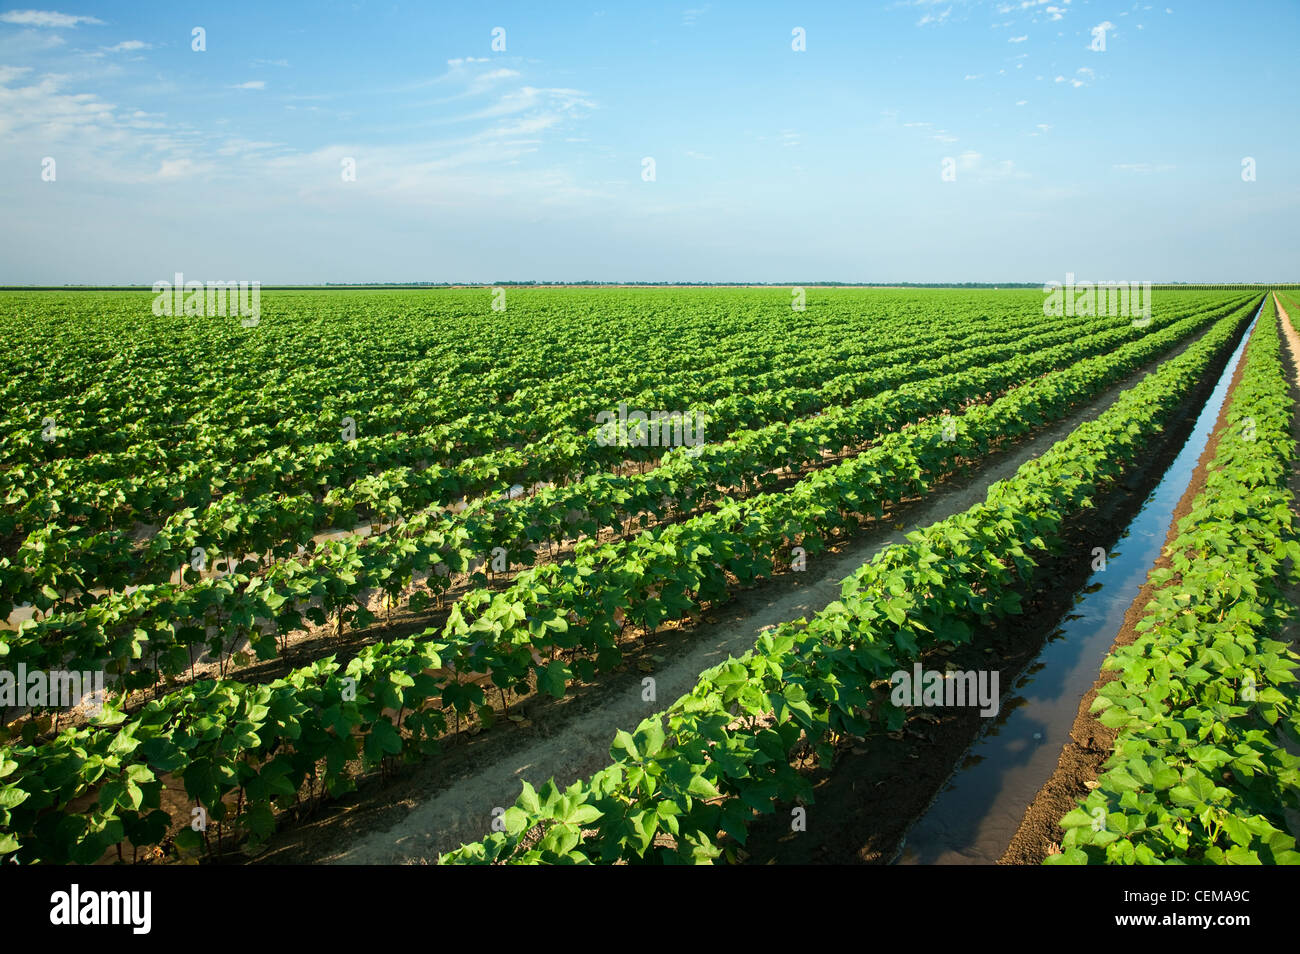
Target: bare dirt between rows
[(1092, 743), (446, 800), (876, 790)]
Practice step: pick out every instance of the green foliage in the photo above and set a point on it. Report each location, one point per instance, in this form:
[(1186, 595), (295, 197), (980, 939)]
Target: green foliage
[(256, 746), (1205, 699)]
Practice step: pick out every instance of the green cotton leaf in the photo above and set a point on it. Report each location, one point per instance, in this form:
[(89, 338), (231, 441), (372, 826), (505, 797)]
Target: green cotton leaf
[(383, 739), (624, 741), (583, 815), (1122, 780), (1114, 717), (1073, 856), (1076, 819), (553, 679), (1237, 855), (188, 840), (141, 774), (1163, 777), (1236, 829), (516, 820), (529, 801), (650, 737), (109, 716), (701, 787), (259, 819), (561, 839)]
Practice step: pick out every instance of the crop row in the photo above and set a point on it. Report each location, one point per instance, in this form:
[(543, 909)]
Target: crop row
[(261, 743), (1206, 700), (84, 511), (132, 388), (160, 625), (688, 778), (274, 519), (436, 417)]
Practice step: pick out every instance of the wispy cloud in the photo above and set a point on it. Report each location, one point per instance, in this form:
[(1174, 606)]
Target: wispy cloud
[(251, 84), (935, 18), (45, 18), (127, 46), (980, 168), (690, 16)]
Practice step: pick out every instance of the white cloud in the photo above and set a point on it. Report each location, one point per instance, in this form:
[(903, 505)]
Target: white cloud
[(176, 169), (981, 169), (690, 16), (47, 112), (485, 81), (1103, 28), (251, 84), (127, 46), (554, 99), (1019, 39), (45, 18), (499, 159), (934, 18)]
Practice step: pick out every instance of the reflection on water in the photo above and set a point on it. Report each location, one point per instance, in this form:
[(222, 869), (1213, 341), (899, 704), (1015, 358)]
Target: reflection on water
[(974, 818)]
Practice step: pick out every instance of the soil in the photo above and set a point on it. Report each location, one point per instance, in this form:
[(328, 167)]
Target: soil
[(438, 804)]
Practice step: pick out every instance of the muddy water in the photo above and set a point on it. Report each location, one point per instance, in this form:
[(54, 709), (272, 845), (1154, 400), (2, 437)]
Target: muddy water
[(974, 817)]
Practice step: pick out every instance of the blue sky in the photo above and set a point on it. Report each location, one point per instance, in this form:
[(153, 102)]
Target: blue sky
[(770, 164)]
